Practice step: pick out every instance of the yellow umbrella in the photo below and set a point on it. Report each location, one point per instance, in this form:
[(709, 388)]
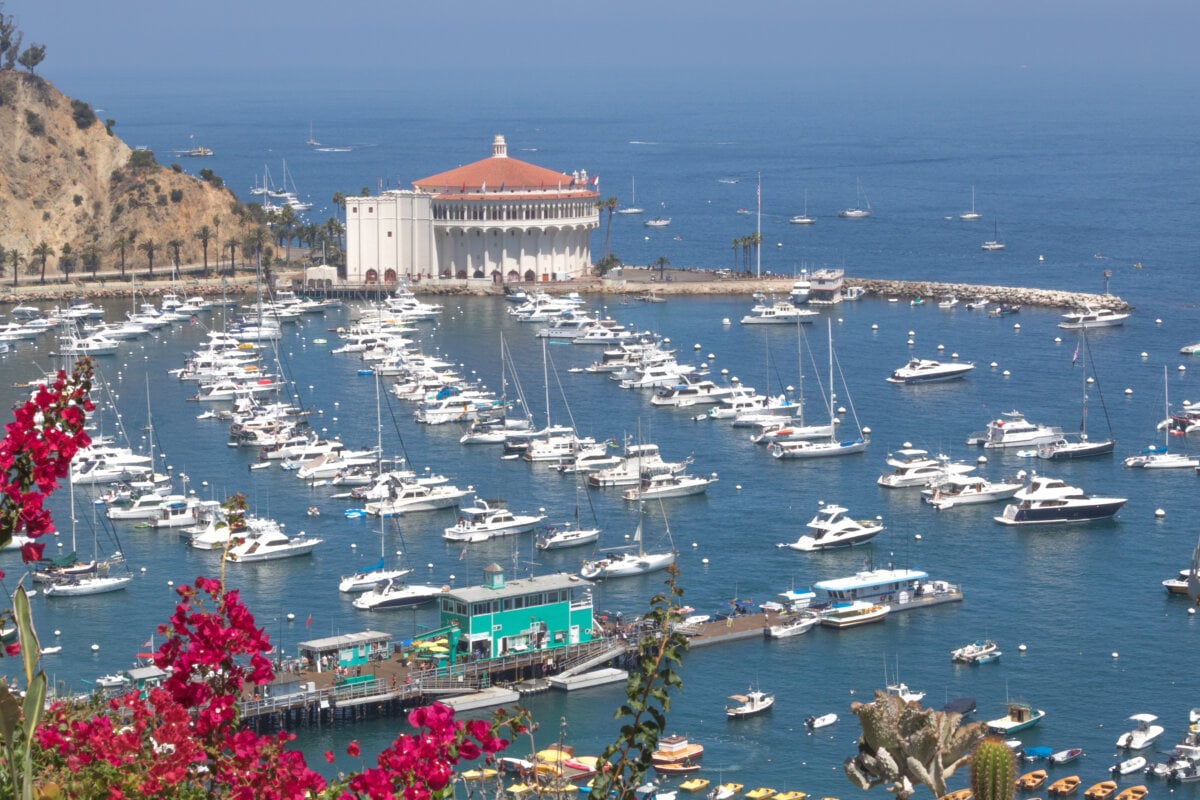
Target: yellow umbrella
[(427, 645), (437, 648)]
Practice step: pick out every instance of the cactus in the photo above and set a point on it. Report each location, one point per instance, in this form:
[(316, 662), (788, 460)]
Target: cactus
[(993, 772), (904, 746)]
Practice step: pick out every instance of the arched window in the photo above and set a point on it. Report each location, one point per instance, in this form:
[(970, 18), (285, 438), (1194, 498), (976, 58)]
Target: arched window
[(371, 277), (389, 276)]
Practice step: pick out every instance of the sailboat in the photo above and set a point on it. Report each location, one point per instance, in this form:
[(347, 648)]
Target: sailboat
[(972, 214), (311, 141), (862, 210), (1081, 446), (368, 578), (632, 208), (1159, 457), (563, 535), (97, 580), (803, 219), (291, 193), (622, 562), (794, 429), (832, 446), (994, 243)]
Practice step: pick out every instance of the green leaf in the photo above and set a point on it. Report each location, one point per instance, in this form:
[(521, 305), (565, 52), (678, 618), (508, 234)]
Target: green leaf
[(35, 704), (30, 649), (10, 714)]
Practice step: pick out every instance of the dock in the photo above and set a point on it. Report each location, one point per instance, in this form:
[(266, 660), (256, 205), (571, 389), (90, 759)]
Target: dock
[(586, 680)]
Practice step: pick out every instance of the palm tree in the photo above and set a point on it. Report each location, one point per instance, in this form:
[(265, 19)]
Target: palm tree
[(42, 252), (609, 205), (119, 245), (233, 245), (91, 258), (254, 242), (149, 247), (755, 245), (339, 200), (216, 221), (285, 228), (66, 261), (734, 243), (15, 258), (204, 235), (3, 258), (662, 264), (176, 245)]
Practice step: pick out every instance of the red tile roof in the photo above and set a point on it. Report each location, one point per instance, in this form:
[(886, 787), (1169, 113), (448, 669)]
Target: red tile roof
[(511, 174)]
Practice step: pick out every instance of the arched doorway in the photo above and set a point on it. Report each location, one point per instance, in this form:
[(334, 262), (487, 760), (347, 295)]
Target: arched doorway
[(512, 277), (389, 276), (371, 277), (530, 276)]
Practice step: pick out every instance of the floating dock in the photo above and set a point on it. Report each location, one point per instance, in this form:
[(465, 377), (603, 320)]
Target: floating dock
[(586, 680), (484, 698)]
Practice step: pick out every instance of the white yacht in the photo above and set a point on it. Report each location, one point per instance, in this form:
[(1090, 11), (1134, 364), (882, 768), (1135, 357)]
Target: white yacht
[(924, 370), (781, 312), (408, 497), (1141, 736), (268, 543), (664, 483), (831, 528), (901, 589), (395, 593), (1089, 317), (562, 536), (1013, 430), (623, 562), (961, 490), (914, 467), (488, 519), (689, 392)]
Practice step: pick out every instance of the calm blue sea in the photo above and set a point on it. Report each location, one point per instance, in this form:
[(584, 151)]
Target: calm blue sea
[(1091, 177)]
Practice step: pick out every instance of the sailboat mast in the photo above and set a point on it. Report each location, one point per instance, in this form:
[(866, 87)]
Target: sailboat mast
[(546, 380), (832, 394), (758, 230)]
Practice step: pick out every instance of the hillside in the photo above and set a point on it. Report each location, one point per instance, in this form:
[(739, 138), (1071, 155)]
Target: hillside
[(66, 180)]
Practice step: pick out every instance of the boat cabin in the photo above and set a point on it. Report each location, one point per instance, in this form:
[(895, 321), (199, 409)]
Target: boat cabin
[(503, 618), (348, 650)]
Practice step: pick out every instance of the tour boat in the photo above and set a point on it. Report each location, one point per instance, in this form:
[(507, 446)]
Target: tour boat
[(853, 613)]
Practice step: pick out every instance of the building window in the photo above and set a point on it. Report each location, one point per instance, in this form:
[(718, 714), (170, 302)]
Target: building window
[(370, 209), (389, 234)]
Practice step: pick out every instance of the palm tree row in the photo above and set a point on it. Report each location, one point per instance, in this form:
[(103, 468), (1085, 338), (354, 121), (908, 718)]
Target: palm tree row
[(749, 245)]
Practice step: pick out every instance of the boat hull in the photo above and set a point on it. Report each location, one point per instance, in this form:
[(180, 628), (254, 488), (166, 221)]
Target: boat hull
[(1055, 512)]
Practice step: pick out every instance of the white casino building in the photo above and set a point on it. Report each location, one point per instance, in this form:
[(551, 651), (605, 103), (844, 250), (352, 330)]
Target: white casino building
[(499, 219)]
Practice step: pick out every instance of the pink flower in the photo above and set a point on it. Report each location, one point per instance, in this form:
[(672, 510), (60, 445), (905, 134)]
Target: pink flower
[(352, 749), (329, 756), (13, 650)]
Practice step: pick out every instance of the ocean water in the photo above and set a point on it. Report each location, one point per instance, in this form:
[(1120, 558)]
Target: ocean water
[(1093, 178)]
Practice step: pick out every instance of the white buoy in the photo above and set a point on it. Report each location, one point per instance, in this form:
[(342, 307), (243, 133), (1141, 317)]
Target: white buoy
[(907, 445), (1145, 355), (1158, 322), (143, 570), (1091, 380), (841, 409), (725, 321), (704, 561), (170, 583), (1116, 654), (874, 327), (1182, 368), (291, 617), (738, 487), (430, 565), (95, 648), (866, 431), (917, 537), (1006, 373), (694, 545), (910, 342), (994, 365), (941, 347), (912, 333), (1058, 340), (57, 632), (1016, 326), (451, 577), (1129, 391), (954, 355), (981, 460), (1022, 648), (354, 545), (1158, 512)]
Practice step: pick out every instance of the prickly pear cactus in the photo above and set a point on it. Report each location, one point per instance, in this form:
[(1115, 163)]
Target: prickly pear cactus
[(904, 746), (993, 771)]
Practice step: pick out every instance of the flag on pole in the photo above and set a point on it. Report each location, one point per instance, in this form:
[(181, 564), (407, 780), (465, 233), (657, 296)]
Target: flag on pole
[(463, 554), (149, 642), (308, 622), (596, 181), (483, 188), (1075, 357)]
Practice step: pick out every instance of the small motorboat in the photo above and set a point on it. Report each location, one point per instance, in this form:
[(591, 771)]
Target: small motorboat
[(1066, 756), (761, 793), (49, 651), (695, 785), (1133, 793), (1032, 781), (677, 768), (1101, 791), (725, 791), (792, 795), (1064, 786), (823, 721), (752, 702), (1129, 766), (1142, 735), (1035, 753)]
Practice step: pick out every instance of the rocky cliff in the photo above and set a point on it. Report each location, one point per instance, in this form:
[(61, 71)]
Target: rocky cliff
[(67, 180)]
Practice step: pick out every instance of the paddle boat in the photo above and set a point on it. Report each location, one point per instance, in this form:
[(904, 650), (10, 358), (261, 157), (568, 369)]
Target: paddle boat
[(725, 791), (695, 785), (1101, 791), (960, 794), (1133, 793), (1064, 786), (792, 795), (1032, 781), (761, 793)]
